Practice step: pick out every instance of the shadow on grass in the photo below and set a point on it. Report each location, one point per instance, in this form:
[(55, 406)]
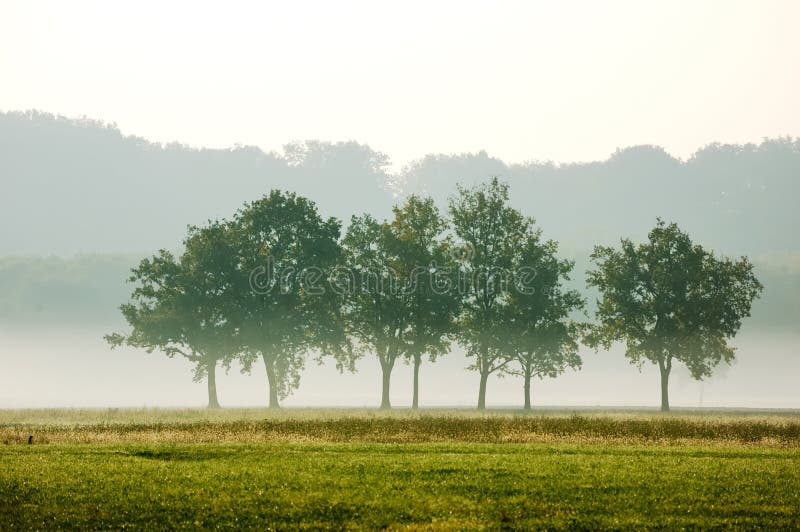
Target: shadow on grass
[(174, 454)]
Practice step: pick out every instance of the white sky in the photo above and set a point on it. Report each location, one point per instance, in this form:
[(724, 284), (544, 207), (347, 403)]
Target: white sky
[(524, 80)]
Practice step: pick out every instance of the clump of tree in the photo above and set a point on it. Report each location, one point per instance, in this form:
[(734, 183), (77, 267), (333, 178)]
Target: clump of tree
[(284, 311), (376, 310), (423, 255), (400, 305), (182, 305), (276, 284), (670, 301), (538, 334), (246, 289), (509, 316)]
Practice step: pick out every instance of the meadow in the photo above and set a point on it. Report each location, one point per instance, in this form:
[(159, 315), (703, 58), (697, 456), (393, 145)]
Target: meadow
[(426, 470)]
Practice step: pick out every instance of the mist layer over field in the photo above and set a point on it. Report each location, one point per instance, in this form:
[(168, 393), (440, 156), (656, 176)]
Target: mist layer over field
[(75, 369)]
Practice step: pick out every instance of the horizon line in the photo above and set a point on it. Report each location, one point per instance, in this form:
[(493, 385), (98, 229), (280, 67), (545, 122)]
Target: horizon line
[(392, 168)]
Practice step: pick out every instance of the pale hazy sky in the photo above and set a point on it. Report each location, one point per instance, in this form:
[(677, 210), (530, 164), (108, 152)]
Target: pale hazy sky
[(524, 80)]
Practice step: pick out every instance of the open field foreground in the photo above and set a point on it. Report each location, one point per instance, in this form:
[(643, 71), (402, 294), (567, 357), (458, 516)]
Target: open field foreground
[(352, 469)]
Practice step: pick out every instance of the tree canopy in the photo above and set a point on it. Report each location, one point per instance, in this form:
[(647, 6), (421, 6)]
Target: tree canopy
[(422, 256), (671, 300), (276, 283), (182, 306), (492, 234), (537, 332), (286, 251)]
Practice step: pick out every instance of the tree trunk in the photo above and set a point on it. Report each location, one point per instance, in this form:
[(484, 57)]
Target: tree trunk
[(527, 405), (415, 399), (482, 391), (386, 369), (664, 369), (211, 379), (272, 381)]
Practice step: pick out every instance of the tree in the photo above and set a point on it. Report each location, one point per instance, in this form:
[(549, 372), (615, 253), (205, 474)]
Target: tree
[(378, 308), (181, 305), (671, 300), (286, 251), (419, 255), (492, 233), (536, 330)]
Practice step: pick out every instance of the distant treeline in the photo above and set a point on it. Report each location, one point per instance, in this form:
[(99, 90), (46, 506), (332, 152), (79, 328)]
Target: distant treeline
[(80, 186), (84, 291)]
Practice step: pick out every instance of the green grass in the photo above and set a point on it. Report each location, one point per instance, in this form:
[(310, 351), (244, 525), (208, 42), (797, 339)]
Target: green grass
[(368, 470)]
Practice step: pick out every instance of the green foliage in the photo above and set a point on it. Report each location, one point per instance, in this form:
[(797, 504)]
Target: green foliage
[(275, 283), (495, 236), (536, 330), (420, 254), (252, 287), (181, 306), (286, 252), (399, 278), (378, 308), (670, 299)]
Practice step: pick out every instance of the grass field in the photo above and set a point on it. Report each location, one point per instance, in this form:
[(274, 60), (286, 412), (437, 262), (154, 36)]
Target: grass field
[(355, 469)]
